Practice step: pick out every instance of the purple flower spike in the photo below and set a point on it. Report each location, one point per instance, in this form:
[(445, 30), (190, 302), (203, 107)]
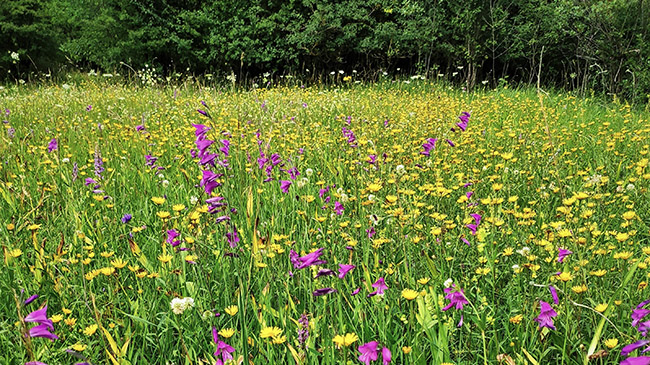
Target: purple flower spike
[(546, 315), (562, 254), (53, 145)]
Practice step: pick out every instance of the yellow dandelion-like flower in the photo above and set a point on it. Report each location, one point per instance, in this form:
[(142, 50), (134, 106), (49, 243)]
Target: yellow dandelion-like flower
[(56, 318), (107, 254), (79, 347), (423, 281), (108, 271), (16, 252), (345, 340), (279, 340), (622, 237), (66, 310), (90, 330), (267, 332), (600, 308), (70, 321), (598, 273), (163, 214), (409, 294), (508, 251), (374, 187), (624, 255), (158, 200), (226, 332), (579, 289), (629, 215), (178, 207), (232, 310), (118, 263), (516, 319), (391, 198), (10, 227), (33, 227), (565, 276), (165, 258), (611, 343), (406, 350)]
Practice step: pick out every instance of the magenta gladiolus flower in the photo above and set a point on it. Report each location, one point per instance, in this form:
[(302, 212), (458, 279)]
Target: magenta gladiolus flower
[(42, 330), (355, 291), (209, 181), (368, 352), (40, 316), (284, 185), (223, 349), (551, 288), (380, 285), (344, 270), (640, 360), (338, 208), (386, 356), (456, 298), (53, 145), (633, 346), (562, 254), (477, 220), (323, 291), (546, 315), (324, 272), (428, 146), (171, 237), (30, 299), (464, 120), (309, 259)]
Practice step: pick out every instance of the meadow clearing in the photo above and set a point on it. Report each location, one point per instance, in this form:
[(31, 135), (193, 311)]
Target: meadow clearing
[(403, 223)]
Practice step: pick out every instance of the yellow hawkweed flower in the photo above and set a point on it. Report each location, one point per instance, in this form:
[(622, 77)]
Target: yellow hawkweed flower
[(90, 330), (600, 308), (16, 252), (165, 258), (227, 332), (579, 289), (163, 214), (232, 310), (406, 349), (56, 318), (409, 294), (279, 340), (178, 207), (79, 347), (158, 200), (267, 332), (423, 281), (611, 343), (598, 273), (516, 319), (118, 263), (70, 321), (345, 340), (565, 276)]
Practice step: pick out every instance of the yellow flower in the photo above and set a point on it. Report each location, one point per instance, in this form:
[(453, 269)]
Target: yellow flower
[(16, 252), (227, 332), (165, 258), (565, 276), (579, 289), (79, 347), (391, 198), (598, 273), (279, 340), (611, 343), (232, 310), (163, 214), (600, 308), (409, 294), (178, 207), (191, 258), (33, 227), (90, 330), (629, 215), (56, 318), (516, 319), (345, 340), (66, 310), (508, 251), (374, 187), (622, 237), (10, 227), (158, 200), (118, 263), (108, 271), (70, 321), (267, 332), (423, 281), (406, 349)]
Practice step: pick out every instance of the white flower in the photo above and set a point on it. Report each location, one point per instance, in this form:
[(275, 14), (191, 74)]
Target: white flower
[(65, 160), (194, 200), (302, 182), (525, 251), (340, 191), (515, 267), (629, 187), (165, 183), (448, 283), (344, 198), (178, 305), (371, 197), (309, 172), (400, 169)]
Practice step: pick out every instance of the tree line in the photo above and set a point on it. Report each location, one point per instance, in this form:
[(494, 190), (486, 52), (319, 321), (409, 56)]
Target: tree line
[(583, 45)]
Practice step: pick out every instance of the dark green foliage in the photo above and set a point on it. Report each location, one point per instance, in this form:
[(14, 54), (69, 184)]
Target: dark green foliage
[(584, 45)]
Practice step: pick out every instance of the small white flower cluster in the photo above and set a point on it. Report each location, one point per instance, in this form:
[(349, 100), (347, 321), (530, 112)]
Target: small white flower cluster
[(179, 305)]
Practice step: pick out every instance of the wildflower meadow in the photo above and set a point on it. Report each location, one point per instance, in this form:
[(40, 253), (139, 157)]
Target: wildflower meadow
[(404, 222)]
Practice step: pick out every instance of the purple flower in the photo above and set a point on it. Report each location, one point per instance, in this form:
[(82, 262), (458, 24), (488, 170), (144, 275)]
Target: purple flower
[(284, 185), (428, 146), (233, 238), (309, 260), (303, 331), (625, 351), (223, 349), (640, 360), (323, 291), (171, 237), (456, 298), (546, 315), (30, 299), (40, 316), (355, 291), (126, 218), (200, 130), (370, 231), (562, 254), (380, 286), (338, 208), (551, 288), (368, 352), (344, 270), (477, 220), (386, 356), (464, 119), (209, 181), (53, 145), (202, 112), (324, 272), (452, 144), (42, 330), (140, 127)]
